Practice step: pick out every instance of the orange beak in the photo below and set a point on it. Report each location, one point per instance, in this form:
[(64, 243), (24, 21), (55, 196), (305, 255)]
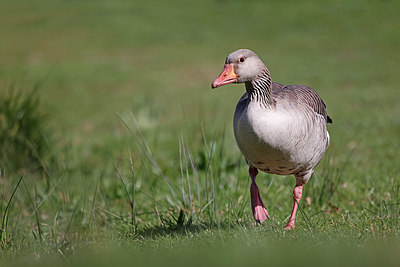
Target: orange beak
[(227, 76)]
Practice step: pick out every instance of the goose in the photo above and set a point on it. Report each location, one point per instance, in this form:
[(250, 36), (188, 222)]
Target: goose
[(279, 129)]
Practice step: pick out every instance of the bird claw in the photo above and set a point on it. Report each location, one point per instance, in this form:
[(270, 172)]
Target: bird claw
[(289, 227), (260, 214)]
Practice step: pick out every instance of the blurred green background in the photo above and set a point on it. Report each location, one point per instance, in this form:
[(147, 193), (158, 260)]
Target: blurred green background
[(126, 84)]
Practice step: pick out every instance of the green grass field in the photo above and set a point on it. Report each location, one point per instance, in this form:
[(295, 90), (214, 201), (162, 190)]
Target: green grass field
[(141, 164)]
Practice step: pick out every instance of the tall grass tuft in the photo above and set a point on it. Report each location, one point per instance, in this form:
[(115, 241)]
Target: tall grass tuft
[(24, 136), (195, 195)]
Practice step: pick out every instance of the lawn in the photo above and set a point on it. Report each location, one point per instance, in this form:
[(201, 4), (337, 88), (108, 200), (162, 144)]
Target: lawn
[(141, 155)]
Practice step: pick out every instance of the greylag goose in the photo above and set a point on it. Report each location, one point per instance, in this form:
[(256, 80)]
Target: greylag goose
[(279, 129)]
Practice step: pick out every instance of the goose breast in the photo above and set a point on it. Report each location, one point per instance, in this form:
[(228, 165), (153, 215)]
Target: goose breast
[(281, 139)]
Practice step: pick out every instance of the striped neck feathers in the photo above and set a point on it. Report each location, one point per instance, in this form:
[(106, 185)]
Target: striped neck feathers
[(259, 89)]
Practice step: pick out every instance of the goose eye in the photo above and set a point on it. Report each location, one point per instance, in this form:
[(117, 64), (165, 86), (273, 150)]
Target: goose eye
[(241, 60)]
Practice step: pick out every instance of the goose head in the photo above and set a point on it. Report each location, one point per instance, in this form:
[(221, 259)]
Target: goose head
[(241, 66)]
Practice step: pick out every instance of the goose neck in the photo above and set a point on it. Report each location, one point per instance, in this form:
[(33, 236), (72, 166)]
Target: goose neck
[(259, 89)]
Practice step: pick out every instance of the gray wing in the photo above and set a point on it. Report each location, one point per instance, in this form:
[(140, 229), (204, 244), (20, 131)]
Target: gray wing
[(306, 95)]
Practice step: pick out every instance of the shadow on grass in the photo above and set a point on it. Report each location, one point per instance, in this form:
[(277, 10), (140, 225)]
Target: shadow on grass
[(195, 225), (180, 228)]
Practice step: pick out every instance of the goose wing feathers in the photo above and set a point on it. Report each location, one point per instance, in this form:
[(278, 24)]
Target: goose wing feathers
[(303, 95)]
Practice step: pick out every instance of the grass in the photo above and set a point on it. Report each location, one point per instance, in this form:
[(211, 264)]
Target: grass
[(24, 135), (145, 159)]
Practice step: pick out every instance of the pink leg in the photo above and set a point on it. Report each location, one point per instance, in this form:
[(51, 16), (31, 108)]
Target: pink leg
[(297, 191), (259, 211)]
